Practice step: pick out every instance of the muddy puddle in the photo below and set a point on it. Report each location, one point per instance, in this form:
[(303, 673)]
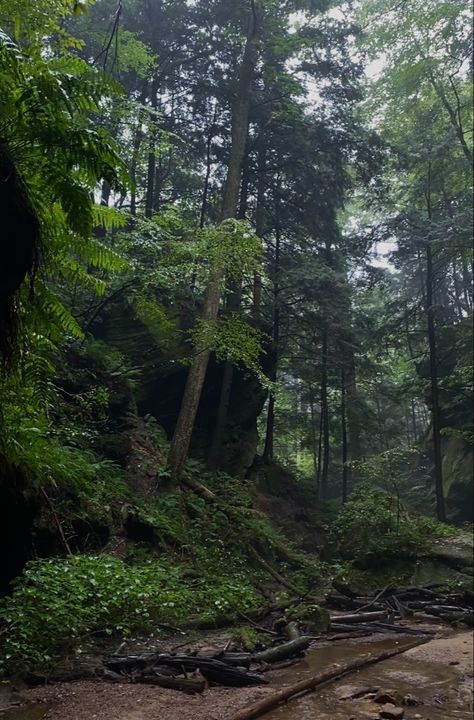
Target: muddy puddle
[(37, 711), (435, 684)]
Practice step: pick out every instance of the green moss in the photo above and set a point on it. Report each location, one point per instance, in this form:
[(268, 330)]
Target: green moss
[(314, 616)]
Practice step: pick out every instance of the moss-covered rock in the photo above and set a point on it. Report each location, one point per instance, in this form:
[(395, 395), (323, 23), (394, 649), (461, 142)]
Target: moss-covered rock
[(313, 617)]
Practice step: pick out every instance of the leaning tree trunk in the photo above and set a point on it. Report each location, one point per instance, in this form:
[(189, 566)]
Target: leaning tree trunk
[(192, 394)]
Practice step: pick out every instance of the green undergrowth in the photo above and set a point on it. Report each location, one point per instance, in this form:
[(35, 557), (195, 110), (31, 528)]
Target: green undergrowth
[(197, 568), (374, 529)]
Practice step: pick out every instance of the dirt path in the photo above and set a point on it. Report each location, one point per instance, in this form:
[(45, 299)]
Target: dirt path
[(450, 658)]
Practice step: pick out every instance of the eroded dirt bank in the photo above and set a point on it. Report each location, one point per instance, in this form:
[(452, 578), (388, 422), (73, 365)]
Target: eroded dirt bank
[(438, 674)]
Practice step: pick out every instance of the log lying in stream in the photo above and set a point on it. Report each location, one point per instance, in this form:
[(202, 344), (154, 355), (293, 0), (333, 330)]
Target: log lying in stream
[(333, 672)]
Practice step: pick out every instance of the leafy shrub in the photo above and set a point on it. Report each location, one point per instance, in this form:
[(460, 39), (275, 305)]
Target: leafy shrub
[(57, 603), (372, 528)]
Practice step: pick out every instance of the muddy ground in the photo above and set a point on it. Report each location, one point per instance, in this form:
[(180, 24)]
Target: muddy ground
[(439, 674)]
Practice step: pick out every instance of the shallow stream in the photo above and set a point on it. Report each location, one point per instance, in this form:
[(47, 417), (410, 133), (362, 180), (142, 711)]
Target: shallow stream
[(433, 683)]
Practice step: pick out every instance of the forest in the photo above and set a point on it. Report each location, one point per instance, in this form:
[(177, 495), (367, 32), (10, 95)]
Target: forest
[(235, 356)]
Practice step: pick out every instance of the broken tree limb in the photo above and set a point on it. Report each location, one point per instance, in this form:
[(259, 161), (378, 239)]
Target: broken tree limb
[(333, 672), (198, 488)]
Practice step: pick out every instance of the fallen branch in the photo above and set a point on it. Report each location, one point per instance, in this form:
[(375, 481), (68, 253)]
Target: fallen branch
[(279, 578), (257, 626), (333, 672), (199, 488)]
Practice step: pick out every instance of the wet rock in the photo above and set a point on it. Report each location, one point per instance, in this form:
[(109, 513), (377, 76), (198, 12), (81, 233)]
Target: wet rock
[(387, 696), (351, 692), (411, 701), (391, 712)]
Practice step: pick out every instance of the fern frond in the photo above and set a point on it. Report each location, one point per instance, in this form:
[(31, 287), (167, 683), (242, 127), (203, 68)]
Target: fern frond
[(54, 309), (95, 253), (108, 218)]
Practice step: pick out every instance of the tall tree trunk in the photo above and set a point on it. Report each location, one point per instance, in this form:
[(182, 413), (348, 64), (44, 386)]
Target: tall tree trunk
[(259, 224), (413, 421), (150, 180), (205, 191), (233, 304), (325, 415), (314, 440), (137, 141), (270, 429), (435, 413), (240, 119), (345, 444)]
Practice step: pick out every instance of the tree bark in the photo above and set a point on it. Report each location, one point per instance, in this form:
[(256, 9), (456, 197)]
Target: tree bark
[(151, 171), (137, 141), (345, 446), (240, 117), (435, 413), (270, 430), (325, 416), (205, 191), (233, 304), (259, 225)]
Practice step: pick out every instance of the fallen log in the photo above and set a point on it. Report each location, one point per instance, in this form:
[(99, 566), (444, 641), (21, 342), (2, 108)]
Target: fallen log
[(342, 602), (284, 651), (348, 635), (403, 629), (274, 654), (333, 672), (215, 671), (191, 686), (360, 617), (377, 627)]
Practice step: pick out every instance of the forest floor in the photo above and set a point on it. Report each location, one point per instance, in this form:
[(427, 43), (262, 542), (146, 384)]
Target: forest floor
[(438, 673)]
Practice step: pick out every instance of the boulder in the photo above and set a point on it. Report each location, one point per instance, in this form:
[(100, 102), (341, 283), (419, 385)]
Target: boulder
[(391, 712)]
